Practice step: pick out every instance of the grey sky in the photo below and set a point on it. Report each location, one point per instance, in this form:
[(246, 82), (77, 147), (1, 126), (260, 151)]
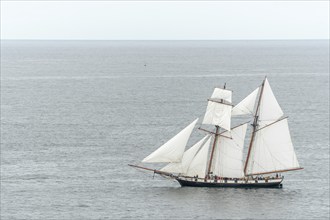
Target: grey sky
[(163, 20)]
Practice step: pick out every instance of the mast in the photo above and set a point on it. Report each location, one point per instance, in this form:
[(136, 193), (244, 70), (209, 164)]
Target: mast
[(212, 151), (217, 128), (255, 124)]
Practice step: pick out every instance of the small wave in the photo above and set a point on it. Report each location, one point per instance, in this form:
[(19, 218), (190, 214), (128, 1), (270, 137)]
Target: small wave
[(34, 177)]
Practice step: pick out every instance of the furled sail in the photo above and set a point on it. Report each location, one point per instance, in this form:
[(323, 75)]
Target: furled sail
[(246, 106), (272, 149), (198, 164), (172, 151), (218, 111), (188, 156), (269, 110), (228, 154)]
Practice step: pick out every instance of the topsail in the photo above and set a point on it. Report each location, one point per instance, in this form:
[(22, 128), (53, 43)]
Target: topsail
[(218, 111), (224, 94), (246, 106)]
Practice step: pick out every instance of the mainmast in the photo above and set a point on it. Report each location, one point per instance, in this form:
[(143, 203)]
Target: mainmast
[(254, 126)]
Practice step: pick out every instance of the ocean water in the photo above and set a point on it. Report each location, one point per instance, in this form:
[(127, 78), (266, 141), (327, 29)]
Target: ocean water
[(75, 113)]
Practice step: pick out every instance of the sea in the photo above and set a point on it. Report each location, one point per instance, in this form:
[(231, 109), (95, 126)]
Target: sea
[(75, 113)]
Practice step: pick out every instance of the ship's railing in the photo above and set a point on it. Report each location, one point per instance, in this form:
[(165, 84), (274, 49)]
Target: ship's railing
[(232, 180)]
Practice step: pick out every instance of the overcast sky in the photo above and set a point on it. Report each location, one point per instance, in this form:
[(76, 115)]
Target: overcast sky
[(165, 20)]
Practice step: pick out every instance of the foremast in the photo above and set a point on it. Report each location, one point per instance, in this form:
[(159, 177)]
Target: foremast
[(228, 140), (216, 134), (217, 128)]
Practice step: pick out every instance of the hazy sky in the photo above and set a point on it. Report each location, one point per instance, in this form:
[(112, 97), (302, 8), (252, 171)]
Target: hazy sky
[(162, 20)]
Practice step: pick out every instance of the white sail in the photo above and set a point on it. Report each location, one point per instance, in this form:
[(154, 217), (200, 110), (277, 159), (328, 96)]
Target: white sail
[(218, 114), (269, 110), (222, 94), (272, 149), (172, 151), (218, 111), (186, 159), (246, 106), (228, 154), (198, 164)]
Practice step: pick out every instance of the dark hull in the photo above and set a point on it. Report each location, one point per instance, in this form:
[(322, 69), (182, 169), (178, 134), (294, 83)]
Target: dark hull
[(233, 185)]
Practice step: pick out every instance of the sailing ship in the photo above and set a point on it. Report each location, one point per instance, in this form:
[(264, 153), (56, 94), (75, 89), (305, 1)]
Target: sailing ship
[(217, 159)]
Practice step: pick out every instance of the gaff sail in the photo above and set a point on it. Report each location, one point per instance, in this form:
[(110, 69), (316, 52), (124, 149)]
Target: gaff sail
[(272, 150)]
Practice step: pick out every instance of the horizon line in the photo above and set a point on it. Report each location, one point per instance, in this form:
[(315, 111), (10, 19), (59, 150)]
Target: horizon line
[(279, 39)]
